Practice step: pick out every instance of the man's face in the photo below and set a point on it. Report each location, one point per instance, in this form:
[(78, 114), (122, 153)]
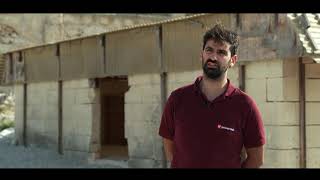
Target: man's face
[(216, 59)]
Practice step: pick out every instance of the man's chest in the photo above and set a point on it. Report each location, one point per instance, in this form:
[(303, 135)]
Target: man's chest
[(201, 123)]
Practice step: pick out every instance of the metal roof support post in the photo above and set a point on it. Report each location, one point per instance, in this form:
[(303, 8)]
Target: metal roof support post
[(24, 130), (302, 109), (163, 89), (60, 106)]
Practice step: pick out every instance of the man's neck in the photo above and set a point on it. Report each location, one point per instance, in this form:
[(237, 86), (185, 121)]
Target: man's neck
[(213, 88)]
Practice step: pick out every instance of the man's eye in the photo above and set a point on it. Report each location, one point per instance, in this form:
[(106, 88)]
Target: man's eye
[(222, 52)]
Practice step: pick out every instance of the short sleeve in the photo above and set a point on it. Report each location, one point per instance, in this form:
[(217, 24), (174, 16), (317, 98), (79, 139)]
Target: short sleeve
[(166, 129), (254, 133)]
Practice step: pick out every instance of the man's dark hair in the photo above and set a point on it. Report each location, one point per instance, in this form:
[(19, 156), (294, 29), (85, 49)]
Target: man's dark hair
[(220, 34)]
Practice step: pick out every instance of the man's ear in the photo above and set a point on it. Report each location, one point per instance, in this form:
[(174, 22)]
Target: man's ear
[(233, 60)]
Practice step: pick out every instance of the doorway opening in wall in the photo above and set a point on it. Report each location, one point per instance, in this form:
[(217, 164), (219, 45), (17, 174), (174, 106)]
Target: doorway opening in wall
[(114, 145)]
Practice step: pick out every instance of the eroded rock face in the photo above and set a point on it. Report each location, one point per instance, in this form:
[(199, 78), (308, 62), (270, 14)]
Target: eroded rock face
[(7, 34), (7, 116), (26, 30)]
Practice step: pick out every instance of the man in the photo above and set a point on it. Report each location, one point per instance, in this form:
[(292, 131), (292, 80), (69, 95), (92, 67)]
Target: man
[(206, 124)]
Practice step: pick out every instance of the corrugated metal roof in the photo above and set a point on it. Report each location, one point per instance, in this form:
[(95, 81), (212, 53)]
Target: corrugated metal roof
[(308, 27), (117, 30)]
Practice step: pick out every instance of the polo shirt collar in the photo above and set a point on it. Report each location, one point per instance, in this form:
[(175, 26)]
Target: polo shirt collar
[(230, 88)]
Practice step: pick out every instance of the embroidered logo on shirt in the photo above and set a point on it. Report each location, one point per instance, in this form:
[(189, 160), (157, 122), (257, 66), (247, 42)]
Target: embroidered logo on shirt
[(226, 128)]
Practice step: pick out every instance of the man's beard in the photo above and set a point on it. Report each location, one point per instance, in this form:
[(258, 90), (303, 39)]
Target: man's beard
[(215, 72)]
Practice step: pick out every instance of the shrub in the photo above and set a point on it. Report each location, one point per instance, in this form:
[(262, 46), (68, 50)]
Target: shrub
[(4, 124)]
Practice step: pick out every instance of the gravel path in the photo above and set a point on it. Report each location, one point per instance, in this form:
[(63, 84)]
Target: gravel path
[(12, 156)]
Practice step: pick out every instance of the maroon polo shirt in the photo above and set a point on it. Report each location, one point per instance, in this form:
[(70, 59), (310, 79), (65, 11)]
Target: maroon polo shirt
[(210, 134)]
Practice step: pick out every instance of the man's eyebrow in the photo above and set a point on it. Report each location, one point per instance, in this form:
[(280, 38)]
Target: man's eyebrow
[(222, 50)]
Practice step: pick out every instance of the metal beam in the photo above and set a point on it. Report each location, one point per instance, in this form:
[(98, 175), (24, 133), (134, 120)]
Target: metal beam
[(302, 109), (24, 131)]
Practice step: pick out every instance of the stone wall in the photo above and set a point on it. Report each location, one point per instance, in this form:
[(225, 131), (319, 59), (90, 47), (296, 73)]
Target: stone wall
[(78, 104), (79, 118), (313, 115), (274, 85), (42, 114), (142, 120)]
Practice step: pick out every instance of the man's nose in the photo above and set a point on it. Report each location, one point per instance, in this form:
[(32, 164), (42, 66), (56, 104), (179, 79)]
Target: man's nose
[(213, 56)]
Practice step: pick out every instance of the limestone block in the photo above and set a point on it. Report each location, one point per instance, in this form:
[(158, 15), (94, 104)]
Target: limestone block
[(82, 83), (18, 114), (158, 149), (140, 146), (50, 85), (313, 113), (18, 93), (282, 137), (142, 112), (35, 126), (143, 94), (35, 112), (36, 95), (187, 77), (312, 89), (139, 129), (274, 68), (68, 126), (313, 158), (51, 126), (51, 112), (233, 75), (83, 126), (312, 70), (151, 94), (291, 67), (83, 111), (52, 97), (283, 89), (141, 163), (312, 136), (69, 97), (133, 95), (256, 70), (144, 79), (51, 138), (76, 142), (281, 158), (85, 96), (275, 89), (280, 113), (256, 88)]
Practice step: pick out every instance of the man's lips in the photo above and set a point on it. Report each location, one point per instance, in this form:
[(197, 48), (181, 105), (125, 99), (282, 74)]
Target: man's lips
[(211, 64)]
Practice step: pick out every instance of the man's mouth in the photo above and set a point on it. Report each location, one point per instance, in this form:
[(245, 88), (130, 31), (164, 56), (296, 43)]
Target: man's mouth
[(212, 64)]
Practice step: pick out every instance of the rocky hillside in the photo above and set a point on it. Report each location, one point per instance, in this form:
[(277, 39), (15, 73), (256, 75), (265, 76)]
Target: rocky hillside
[(25, 30)]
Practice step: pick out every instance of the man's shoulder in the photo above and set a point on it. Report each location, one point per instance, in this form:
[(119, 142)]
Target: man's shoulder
[(183, 90), (243, 97)]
